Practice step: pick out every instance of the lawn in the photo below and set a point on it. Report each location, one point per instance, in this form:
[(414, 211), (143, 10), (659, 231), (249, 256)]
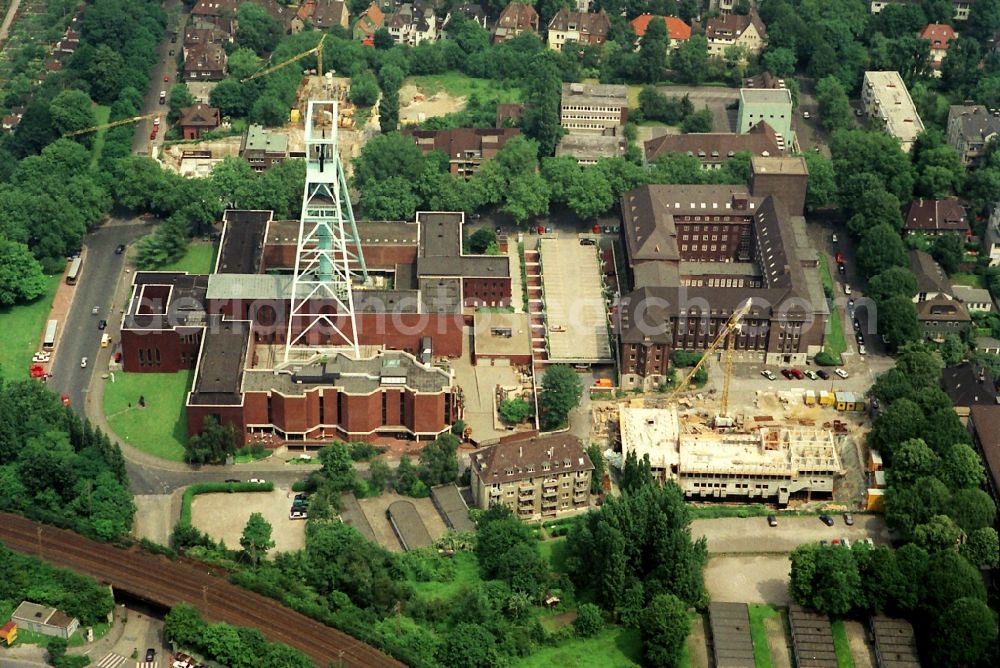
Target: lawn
[(835, 343), (971, 280), (842, 645), (160, 428), (466, 572), (824, 275), (199, 259), (459, 85), (758, 632), (101, 116), (23, 327), (614, 646)]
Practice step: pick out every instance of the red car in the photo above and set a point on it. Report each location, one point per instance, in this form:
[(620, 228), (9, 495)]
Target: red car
[(65, 400), (152, 135), (797, 373), (166, 77), (840, 258)]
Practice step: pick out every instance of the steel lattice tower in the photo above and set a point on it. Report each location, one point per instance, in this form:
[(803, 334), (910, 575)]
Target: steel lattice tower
[(328, 257)]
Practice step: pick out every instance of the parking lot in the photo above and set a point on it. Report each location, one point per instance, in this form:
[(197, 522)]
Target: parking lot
[(749, 578), (222, 516), (733, 535), (577, 324)]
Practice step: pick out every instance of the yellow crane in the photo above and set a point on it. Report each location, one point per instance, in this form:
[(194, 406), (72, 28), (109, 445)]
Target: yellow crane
[(107, 126), (318, 50), (730, 328)]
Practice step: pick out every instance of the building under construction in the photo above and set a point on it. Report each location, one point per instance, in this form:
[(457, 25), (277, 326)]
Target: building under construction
[(767, 464)]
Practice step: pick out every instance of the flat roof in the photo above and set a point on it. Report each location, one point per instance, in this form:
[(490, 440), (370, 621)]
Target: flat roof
[(731, 640), (812, 638), (650, 431), (765, 96), (591, 147), (600, 95), (164, 300), (501, 334), (894, 106), (220, 364), (439, 250), (242, 241), (895, 642), (574, 306), (260, 138), (775, 164)]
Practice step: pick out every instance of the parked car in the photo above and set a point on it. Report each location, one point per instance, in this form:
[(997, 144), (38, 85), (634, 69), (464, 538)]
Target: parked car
[(849, 519), (841, 268), (810, 374), (150, 654), (840, 258), (171, 52), (841, 373), (83, 363), (767, 373), (805, 114), (826, 519), (548, 230), (65, 400), (786, 373), (850, 304), (588, 242), (119, 249), (297, 515), (862, 350), (231, 480), (835, 541), (118, 357), (102, 324), (860, 338), (608, 229), (869, 542), (797, 373), (857, 325), (257, 481), (772, 521), (152, 135), (156, 122), (847, 288), (845, 541), (823, 374), (834, 238)]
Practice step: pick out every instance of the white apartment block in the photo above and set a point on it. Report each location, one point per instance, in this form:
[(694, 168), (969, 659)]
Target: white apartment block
[(887, 102)]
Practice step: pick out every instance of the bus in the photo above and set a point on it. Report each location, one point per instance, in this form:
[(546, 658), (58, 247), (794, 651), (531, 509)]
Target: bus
[(74, 271), (50, 335)]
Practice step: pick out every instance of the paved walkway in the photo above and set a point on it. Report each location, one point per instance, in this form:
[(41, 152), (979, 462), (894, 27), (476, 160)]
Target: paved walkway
[(7, 20)]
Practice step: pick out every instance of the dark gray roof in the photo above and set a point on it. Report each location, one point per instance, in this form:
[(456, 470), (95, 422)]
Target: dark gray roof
[(731, 641), (895, 643), (220, 364), (812, 638), (942, 309), (975, 122), (452, 507), (408, 526), (969, 385), (184, 303), (984, 422), (509, 462), (440, 250), (930, 277), (242, 241)]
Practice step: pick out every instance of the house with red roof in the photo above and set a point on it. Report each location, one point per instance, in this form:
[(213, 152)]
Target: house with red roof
[(370, 20), (678, 31), (939, 35)]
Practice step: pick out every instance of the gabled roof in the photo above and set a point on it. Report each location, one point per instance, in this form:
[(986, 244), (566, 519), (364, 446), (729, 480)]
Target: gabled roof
[(930, 277), (937, 215), (516, 17), (676, 28), (373, 16), (968, 385), (329, 14), (732, 26), (761, 139), (585, 22), (938, 34), (199, 115), (985, 421), (975, 121), (942, 309), (545, 456)]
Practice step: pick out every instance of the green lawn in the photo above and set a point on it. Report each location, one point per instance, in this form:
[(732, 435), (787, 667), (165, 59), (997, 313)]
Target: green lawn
[(101, 116), (460, 85), (199, 259), (758, 632), (971, 280), (842, 645), (22, 328), (835, 343), (824, 275), (613, 647), (161, 427), (466, 572)]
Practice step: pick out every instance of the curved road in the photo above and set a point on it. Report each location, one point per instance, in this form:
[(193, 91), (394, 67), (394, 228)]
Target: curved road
[(156, 579)]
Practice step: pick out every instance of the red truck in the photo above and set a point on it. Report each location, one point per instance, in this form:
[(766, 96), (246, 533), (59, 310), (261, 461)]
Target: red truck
[(840, 258)]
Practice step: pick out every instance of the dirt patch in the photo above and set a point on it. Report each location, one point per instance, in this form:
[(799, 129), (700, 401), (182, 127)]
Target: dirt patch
[(862, 651), (556, 622), (374, 509), (223, 516), (416, 107)]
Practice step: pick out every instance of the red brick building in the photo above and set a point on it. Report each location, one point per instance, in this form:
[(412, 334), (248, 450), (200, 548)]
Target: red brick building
[(197, 119), (467, 148)]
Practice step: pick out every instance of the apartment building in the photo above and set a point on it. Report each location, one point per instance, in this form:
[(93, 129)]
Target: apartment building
[(746, 31), (713, 149), (541, 478), (934, 217), (993, 236), (263, 148), (579, 29), (412, 24), (887, 102), (593, 108), (678, 32), (467, 148), (970, 129)]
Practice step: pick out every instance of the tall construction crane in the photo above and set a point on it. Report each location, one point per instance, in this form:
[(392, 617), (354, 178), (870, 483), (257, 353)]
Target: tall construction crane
[(730, 328), (318, 50), (106, 126)]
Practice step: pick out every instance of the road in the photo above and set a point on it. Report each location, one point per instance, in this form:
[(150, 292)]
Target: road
[(102, 270), (166, 66), (8, 19)]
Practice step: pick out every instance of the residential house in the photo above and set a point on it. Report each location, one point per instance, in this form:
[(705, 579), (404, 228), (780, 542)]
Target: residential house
[(961, 7), (745, 31), (593, 108), (539, 478), (44, 620), (968, 385), (773, 105), (330, 13), (588, 149), (970, 128), (977, 300), (221, 13), (198, 36), (888, 104), (934, 217), (578, 28), (932, 282), (206, 62), (471, 11), (939, 35), (368, 23), (678, 32), (412, 23), (515, 19), (713, 149), (467, 148), (986, 345), (263, 148), (723, 7), (940, 317), (984, 425), (197, 119), (993, 236)]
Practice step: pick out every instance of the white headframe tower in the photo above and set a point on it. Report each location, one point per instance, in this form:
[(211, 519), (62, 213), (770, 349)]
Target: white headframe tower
[(328, 257)]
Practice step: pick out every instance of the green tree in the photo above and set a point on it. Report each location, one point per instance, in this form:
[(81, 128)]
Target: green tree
[(699, 121), (653, 51), (881, 248), (939, 533), (589, 620), (892, 282), (821, 190), (211, 446), (948, 250), (691, 59), (258, 31), (386, 156), (269, 109), (391, 199), (515, 411), (470, 646), (542, 96), (857, 152), (908, 507), (180, 98), (364, 88), (231, 97), (636, 473), (600, 467), (72, 110), (664, 626), (961, 467), (561, 392), (406, 475), (898, 321), (242, 63), (21, 277), (56, 650), (481, 240), (834, 107), (912, 459), (506, 550), (439, 461), (948, 578), (780, 62), (972, 509), (105, 74), (338, 466), (965, 634), (982, 548), (381, 474), (590, 195), (825, 579), (256, 538)]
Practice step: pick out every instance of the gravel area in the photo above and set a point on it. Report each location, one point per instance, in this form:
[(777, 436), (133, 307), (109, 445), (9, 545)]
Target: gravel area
[(754, 579), (223, 516)]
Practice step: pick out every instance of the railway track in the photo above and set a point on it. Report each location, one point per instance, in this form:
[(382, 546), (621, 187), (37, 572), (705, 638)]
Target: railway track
[(158, 580)]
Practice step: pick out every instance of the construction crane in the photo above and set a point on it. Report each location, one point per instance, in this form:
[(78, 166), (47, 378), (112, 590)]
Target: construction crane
[(318, 50), (106, 126), (731, 327)]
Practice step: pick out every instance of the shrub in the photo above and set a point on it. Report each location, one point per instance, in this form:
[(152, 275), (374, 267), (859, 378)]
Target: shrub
[(588, 620), (826, 359)]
